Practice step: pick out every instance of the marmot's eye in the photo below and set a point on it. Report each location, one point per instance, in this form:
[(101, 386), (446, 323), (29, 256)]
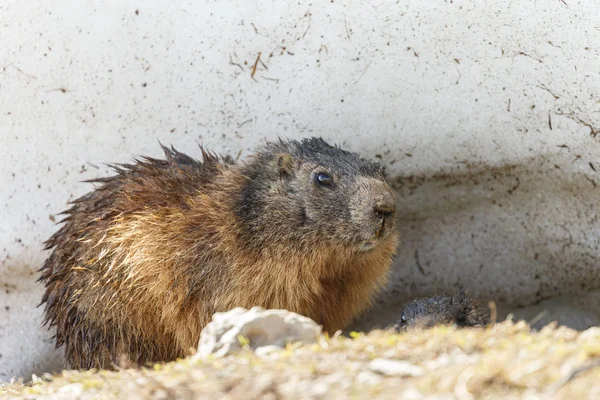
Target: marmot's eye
[(403, 319), (323, 178)]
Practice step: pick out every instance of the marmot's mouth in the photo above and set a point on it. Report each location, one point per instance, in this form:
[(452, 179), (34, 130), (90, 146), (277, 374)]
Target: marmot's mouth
[(368, 245), (380, 234)]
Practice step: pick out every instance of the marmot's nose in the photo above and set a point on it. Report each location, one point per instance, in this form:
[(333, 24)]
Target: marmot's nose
[(385, 208)]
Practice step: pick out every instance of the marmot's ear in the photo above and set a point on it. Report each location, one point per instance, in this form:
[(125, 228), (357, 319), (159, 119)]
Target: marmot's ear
[(285, 165)]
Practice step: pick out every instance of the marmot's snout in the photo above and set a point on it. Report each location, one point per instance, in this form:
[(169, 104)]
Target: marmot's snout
[(379, 212), (385, 212)]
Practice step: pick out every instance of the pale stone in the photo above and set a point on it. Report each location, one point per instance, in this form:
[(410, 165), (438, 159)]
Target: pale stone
[(259, 327), (390, 367)]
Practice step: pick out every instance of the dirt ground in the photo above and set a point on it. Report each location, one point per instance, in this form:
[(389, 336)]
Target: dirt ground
[(507, 360)]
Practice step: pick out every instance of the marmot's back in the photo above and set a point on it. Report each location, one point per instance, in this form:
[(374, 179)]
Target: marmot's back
[(143, 261)]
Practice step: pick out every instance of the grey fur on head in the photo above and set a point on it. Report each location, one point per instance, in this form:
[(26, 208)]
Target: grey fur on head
[(459, 309)]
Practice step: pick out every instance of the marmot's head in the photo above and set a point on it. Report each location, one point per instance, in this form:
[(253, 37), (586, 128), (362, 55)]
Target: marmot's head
[(459, 310), (311, 192)]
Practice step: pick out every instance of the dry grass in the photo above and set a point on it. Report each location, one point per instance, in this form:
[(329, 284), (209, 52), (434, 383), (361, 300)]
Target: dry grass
[(504, 361)]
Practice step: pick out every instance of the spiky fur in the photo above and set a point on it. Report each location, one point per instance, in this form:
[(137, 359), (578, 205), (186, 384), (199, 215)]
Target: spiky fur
[(458, 309), (143, 261)]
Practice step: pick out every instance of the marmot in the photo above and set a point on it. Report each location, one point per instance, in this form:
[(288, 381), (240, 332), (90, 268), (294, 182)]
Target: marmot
[(144, 260), (459, 309)]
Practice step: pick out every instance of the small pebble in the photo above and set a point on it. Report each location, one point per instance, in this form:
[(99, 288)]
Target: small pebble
[(265, 351), (389, 367), (368, 378), (72, 390)]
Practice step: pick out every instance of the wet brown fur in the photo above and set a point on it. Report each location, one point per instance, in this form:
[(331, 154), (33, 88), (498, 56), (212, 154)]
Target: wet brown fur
[(143, 261)]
